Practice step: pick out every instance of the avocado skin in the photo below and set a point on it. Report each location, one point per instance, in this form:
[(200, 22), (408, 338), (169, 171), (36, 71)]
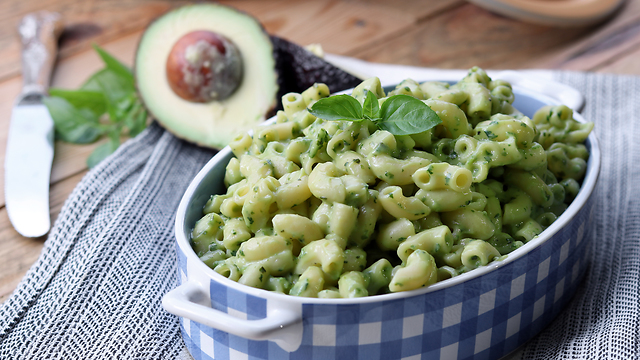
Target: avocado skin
[(298, 69)]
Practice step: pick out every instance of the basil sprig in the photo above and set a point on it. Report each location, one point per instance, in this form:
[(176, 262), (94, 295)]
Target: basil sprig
[(107, 104), (399, 114)]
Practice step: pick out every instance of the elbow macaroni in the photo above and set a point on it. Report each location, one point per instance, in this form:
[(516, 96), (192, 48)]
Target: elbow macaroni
[(339, 209)]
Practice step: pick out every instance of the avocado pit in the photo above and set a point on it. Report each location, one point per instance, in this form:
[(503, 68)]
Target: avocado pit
[(204, 66)]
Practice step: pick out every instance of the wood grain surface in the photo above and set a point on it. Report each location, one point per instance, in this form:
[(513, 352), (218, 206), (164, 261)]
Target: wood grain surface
[(432, 33)]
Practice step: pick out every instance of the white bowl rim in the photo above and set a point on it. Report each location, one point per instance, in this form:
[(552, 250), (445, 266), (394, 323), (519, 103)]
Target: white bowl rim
[(587, 188)]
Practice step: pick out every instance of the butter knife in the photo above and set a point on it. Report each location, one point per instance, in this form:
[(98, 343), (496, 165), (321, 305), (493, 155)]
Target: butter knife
[(27, 166)]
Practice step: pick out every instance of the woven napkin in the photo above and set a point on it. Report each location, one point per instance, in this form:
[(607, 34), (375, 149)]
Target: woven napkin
[(95, 292)]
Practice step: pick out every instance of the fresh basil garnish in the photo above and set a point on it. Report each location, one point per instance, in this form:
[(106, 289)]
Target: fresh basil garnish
[(399, 114), (370, 107), (406, 115), (338, 107)]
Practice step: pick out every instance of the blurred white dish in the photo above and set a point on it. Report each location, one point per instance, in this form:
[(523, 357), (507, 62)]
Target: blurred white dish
[(553, 12)]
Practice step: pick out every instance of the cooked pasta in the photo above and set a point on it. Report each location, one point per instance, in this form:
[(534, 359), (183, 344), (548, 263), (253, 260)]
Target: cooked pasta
[(339, 209)]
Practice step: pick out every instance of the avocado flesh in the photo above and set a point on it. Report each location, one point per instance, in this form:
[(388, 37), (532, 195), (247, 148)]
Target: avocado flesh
[(211, 124)]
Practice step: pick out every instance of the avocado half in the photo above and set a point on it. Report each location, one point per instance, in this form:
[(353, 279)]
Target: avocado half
[(213, 123)]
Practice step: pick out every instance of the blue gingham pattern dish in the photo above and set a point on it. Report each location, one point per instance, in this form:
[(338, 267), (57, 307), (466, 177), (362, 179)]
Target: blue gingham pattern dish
[(483, 318)]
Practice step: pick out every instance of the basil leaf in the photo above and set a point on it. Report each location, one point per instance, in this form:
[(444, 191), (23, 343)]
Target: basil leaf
[(114, 65), (83, 99), (371, 106), (406, 115), (111, 84), (103, 151), (105, 104), (136, 119), (120, 94), (120, 108), (114, 137), (139, 124), (338, 107), (80, 126), (98, 154)]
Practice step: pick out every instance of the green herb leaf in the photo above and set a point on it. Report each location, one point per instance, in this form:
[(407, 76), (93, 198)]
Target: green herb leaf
[(114, 65), (82, 99), (114, 86), (73, 125), (102, 152), (406, 115), (136, 119), (106, 103), (139, 124), (338, 107), (370, 107)]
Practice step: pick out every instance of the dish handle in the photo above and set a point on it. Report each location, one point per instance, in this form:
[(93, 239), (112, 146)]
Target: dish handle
[(283, 323)]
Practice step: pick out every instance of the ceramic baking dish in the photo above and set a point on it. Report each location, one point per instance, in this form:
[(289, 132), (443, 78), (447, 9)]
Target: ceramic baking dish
[(483, 314)]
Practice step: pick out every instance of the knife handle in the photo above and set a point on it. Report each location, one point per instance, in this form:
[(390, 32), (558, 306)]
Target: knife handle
[(39, 36)]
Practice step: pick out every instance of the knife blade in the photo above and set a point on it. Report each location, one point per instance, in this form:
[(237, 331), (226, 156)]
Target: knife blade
[(29, 154)]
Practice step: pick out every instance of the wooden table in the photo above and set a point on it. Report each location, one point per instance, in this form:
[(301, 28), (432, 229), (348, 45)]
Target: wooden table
[(433, 33)]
